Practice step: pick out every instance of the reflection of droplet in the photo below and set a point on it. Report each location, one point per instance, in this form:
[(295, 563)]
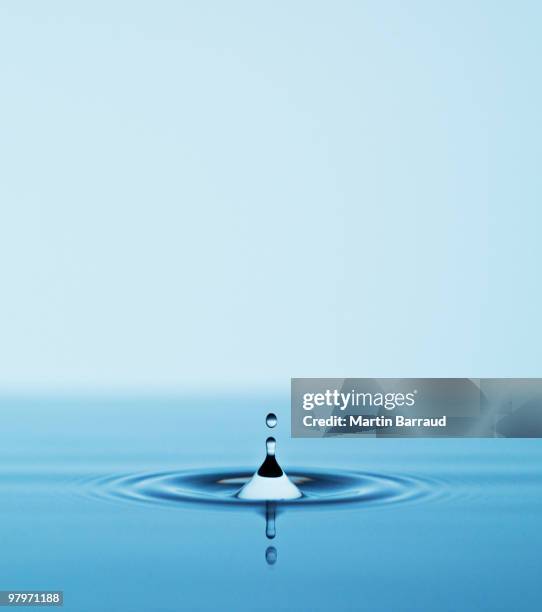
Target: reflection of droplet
[(271, 420), (271, 555), (270, 513)]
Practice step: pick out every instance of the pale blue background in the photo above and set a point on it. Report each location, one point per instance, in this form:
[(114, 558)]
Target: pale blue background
[(234, 193)]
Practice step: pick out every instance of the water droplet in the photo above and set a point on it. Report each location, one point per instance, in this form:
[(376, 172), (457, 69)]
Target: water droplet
[(271, 555), (271, 420), (270, 446)]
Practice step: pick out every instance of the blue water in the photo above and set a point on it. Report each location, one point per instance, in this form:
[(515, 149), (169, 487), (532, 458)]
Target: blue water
[(457, 526)]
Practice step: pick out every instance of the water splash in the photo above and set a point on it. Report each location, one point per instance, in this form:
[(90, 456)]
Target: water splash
[(267, 488), (269, 483), (218, 488)]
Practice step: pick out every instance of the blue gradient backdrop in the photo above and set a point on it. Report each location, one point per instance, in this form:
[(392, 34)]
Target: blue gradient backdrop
[(236, 193)]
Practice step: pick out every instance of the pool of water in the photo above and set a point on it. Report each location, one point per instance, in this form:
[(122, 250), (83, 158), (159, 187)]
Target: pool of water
[(128, 503)]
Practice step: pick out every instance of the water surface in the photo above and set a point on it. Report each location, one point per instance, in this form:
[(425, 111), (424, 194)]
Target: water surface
[(126, 504)]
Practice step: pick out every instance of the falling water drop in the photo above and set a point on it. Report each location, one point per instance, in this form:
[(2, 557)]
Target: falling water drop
[(270, 446), (271, 555), (271, 420)]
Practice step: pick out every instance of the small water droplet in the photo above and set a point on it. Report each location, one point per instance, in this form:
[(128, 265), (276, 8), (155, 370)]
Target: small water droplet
[(270, 446), (271, 555), (271, 420)]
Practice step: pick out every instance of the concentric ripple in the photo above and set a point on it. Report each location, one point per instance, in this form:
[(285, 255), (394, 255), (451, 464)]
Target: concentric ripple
[(218, 488)]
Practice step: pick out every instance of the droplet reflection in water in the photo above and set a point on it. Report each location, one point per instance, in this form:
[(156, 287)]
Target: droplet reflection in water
[(271, 555), (322, 489), (271, 420), (270, 513)]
